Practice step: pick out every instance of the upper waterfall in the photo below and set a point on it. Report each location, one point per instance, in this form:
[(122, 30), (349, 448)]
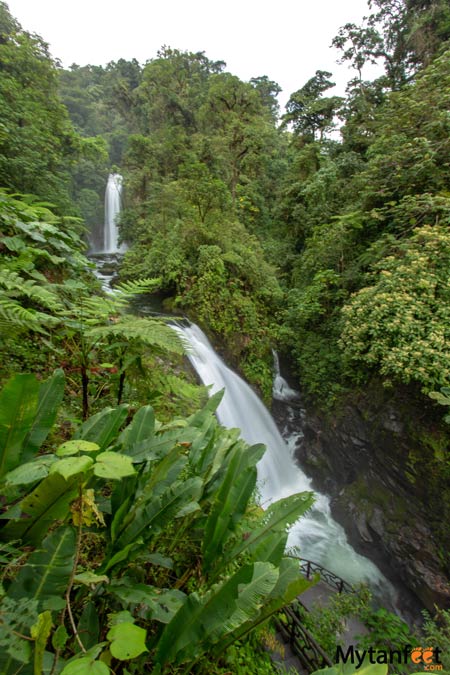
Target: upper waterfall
[(113, 205)]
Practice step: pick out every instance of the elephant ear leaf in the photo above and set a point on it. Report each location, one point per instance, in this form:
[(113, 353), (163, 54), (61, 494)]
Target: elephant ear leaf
[(46, 573)]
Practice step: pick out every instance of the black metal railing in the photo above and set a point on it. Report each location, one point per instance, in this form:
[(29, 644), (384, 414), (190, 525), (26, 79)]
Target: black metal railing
[(309, 568), (308, 651), (290, 621)]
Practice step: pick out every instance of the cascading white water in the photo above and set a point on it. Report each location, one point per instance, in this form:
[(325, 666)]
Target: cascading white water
[(113, 205), (317, 534)]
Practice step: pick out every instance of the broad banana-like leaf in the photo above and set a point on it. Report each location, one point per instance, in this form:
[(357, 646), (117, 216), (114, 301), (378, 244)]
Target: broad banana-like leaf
[(140, 429), (203, 621), (198, 418), (290, 584), (271, 548), (231, 501), (278, 517), (47, 571), (150, 485), (51, 393), (18, 406), (103, 427), (151, 517), (202, 450), (154, 448), (47, 503), (161, 475)]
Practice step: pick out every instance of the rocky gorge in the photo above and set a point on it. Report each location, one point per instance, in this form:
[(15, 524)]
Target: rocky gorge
[(380, 473)]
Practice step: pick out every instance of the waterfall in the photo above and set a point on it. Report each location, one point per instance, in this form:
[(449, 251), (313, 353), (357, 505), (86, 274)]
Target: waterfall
[(113, 205), (317, 535), (281, 391)]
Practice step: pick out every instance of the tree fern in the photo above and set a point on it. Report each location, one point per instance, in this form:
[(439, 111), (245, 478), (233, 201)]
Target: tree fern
[(150, 332), (14, 315), (128, 289)]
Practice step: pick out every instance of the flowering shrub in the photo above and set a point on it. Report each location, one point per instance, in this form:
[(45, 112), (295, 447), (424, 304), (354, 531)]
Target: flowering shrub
[(401, 322)]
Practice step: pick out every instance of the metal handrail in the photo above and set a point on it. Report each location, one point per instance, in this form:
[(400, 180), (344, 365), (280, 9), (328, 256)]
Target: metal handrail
[(290, 621), (308, 567), (308, 651)]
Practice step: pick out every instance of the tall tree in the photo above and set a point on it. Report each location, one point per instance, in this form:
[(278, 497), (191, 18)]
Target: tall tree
[(309, 112), (37, 140)]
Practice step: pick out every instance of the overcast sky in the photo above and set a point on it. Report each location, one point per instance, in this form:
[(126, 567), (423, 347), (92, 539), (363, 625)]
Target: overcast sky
[(287, 40)]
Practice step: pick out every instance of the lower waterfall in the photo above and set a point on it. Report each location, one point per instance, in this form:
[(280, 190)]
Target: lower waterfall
[(317, 536)]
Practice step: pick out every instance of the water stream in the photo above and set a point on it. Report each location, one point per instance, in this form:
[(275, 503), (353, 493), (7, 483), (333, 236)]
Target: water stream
[(317, 535)]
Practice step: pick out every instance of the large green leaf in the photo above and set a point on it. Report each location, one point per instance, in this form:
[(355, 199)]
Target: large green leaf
[(51, 393), (151, 517), (127, 641), (203, 621), (89, 625), (47, 571), (86, 665), (156, 447), (71, 466), (231, 501), (140, 429), (290, 584), (158, 605), (18, 405), (47, 503), (113, 465), (70, 448), (31, 472), (103, 427), (278, 517), (127, 500), (198, 418)]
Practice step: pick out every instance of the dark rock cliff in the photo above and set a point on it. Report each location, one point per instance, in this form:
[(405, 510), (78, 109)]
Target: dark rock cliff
[(388, 489)]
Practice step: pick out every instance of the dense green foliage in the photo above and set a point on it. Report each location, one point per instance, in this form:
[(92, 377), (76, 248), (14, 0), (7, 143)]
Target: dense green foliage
[(269, 232), (197, 174), (37, 141), (155, 554)]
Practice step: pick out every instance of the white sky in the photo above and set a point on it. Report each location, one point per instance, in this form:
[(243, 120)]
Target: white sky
[(286, 40)]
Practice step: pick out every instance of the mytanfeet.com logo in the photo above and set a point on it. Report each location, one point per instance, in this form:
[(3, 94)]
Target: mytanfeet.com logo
[(428, 658)]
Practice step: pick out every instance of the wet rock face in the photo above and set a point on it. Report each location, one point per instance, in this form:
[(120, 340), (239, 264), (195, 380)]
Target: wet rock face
[(362, 460)]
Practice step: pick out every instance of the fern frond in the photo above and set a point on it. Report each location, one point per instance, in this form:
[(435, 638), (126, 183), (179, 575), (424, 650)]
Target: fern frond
[(127, 289), (151, 332), (41, 295), (12, 314)]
